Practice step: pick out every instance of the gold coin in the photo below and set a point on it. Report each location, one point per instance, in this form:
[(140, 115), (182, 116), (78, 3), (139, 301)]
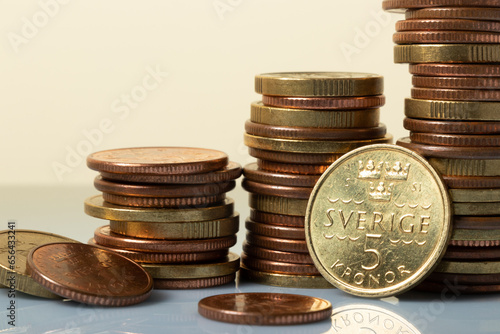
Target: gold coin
[(475, 235), (479, 268), (95, 206), (466, 167), (178, 230), (378, 221), (15, 246), (226, 266), (309, 146), (284, 281), (319, 84), (278, 205), (364, 118), (452, 110), (447, 53), (476, 209), (475, 195)]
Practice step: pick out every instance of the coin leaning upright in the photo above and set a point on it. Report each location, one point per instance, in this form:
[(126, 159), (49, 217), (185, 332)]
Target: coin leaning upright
[(378, 221)]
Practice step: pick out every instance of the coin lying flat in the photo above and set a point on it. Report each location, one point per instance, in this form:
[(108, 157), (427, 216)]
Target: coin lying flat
[(411, 4), (163, 202), (473, 13), (452, 110), (452, 152), (465, 253), (457, 127), (275, 190), (275, 255), (283, 280), (264, 308), (325, 103), (456, 82), (278, 205), (476, 223), (447, 24), (454, 140), (278, 267), (193, 283), (276, 231), (476, 182), (479, 95), (447, 53), (378, 221), (280, 167), (475, 195), (294, 158), (276, 219), (280, 244), (445, 37), (253, 173)]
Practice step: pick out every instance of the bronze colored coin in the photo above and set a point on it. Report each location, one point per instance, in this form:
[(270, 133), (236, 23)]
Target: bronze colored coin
[(461, 288), (278, 205), (477, 209), (275, 230), (193, 283), (467, 279), (275, 255), (456, 82), (475, 195), (157, 160), (279, 244), (150, 257), (475, 243), (452, 110), (294, 158), (470, 267), (105, 237), (89, 274), (275, 190), (472, 13), (276, 219), (453, 152), (455, 140), (466, 253), (264, 308), (280, 167), (447, 53), (476, 222), (358, 118), (278, 267), (285, 281), (230, 172), (420, 125), (456, 94), (445, 37), (447, 24), (324, 103), (471, 182), (163, 202), (288, 132), (156, 190), (402, 5), (456, 70), (466, 167), (253, 173)]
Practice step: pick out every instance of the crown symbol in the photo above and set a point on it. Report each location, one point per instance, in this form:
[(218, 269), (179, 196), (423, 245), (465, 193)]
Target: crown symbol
[(370, 171), (380, 193), (396, 172)]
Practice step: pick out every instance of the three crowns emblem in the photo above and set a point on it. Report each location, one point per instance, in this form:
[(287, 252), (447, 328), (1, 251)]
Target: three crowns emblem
[(382, 171)]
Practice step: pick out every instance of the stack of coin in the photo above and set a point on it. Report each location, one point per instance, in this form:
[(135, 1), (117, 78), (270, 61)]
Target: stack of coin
[(168, 210), (304, 122), (452, 115)]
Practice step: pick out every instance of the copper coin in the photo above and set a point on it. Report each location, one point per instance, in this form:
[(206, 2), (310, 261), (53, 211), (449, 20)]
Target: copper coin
[(89, 274), (264, 308), (476, 222), (280, 244), (192, 283), (325, 103), (254, 173), (278, 267), (411, 4), (295, 158), (275, 255), (275, 190), (230, 172), (471, 182), (475, 243), (454, 139), (466, 279), (456, 70), (420, 125), (152, 257), (455, 94), (163, 202), (275, 231), (105, 237), (474, 13), (289, 132), (292, 168), (466, 253), (447, 24), (157, 160), (275, 219), (454, 286), (445, 37), (453, 152), (456, 82)]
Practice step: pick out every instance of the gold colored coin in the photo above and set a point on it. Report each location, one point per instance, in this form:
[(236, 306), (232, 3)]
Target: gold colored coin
[(452, 110), (178, 230), (475, 195), (364, 118), (309, 146), (278, 205), (447, 53), (466, 167), (15, 246), (479, 267), (475, 235), (476, 209), (95, 206), (226, 266), (378, 221), (283, 280), (319, 84)]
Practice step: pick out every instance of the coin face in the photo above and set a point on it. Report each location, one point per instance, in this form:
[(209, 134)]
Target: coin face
[(378, 221)]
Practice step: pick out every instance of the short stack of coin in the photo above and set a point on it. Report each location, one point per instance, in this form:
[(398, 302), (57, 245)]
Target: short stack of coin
[(168, 210), (304, 122), (453, 50)]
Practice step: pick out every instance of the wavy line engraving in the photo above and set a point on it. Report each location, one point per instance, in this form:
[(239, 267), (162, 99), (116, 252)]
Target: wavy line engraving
[(426, 207), (347, 202), (420, 243), (333, 200), (360, 202), (399, 205), (341, 238), (395, 242), (328, 236), (353, 239), (413, 206)]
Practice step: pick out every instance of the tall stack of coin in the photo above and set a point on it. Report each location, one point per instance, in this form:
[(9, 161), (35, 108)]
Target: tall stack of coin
[(168, 210), (452, 115), (304, 122)]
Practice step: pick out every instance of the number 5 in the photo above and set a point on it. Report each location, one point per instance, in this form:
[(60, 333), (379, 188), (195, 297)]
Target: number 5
[(372, 250)]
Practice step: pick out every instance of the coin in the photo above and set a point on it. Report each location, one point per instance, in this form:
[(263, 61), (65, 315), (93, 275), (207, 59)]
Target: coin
[(460, 288), (89, 274), (447, 53), (276, 219), (475, 13), (456, 82), (467, 279), (278, 267), (452, 110), (456, 267), (445, 37), (14, 248), (278, 205), (319, 84), (477, 182), (279, 244), (264, 308), (253, 173), (303, 169), (466, 253), (456, 94), (454, 152), (178, 230), (230, 172), (447, 25), (476, 222), (105, 237), (476, 127), (157, 160), (455, 140), (295, 158), (475, 243), (276, 255), (411, 4), (194, 283), (456, 70), (475, 195), (378, 221), (362, 118), (476, 235), (476, 209), (324, 103), (277, 231), (275, 190), (95, 206), (163, 202)]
